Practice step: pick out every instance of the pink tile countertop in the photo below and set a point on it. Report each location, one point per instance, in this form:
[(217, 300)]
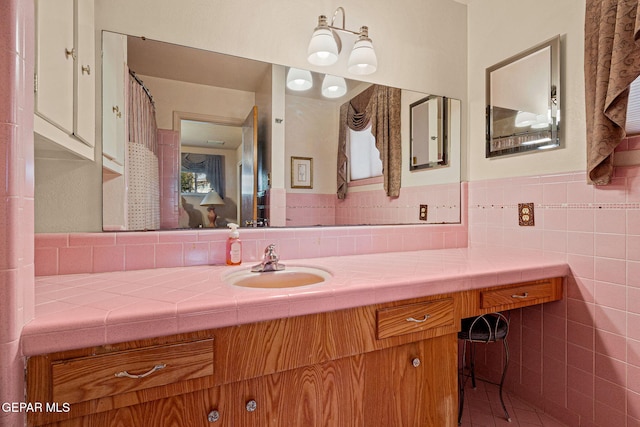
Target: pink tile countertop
[(83, 310)]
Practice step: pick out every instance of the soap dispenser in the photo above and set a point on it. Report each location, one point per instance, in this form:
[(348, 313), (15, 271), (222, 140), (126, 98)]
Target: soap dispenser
[(234, 246)]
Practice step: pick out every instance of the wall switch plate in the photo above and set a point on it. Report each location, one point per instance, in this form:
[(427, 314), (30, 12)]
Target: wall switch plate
[(423, 213), (525, 215)]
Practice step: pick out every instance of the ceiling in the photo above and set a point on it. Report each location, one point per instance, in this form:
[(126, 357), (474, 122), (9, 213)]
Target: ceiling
[(175, 62)]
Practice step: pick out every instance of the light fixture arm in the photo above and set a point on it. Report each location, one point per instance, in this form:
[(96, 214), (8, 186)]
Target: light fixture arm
[(343, 28)]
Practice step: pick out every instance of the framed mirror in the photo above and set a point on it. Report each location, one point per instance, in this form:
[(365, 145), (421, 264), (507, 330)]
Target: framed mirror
[(523, 101), (203, 100), (429, 139)]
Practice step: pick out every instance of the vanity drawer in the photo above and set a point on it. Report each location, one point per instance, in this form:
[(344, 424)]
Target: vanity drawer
[(92, 377), (417, 317), (518, 296)]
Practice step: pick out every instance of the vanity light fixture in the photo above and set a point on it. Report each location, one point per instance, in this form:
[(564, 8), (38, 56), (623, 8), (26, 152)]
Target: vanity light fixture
[(299, 80), (333, 86), (325, 46)]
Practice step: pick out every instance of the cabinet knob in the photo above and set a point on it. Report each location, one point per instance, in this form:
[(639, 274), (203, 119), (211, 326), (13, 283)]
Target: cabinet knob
[(415, 362), (86, 69), (70, 53), (213, 416), (252, 405)]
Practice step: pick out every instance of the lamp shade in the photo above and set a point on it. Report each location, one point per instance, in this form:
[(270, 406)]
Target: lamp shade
[(323, 46), (333, 86), (298, 79), (362, 59), (212, 198)]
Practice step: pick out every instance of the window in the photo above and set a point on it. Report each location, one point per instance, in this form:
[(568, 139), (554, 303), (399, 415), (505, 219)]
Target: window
[(364, 157), (201, 173), (194, 182)]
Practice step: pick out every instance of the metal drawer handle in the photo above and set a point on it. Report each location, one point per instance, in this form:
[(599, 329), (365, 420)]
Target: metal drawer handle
[(524, 295), (424, 319), (126, 374)]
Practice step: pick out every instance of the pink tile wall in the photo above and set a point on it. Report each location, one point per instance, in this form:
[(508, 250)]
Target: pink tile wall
[(16, 189), (306, 209), (100, 252), (579, 358), (169, 163), (374, 207)]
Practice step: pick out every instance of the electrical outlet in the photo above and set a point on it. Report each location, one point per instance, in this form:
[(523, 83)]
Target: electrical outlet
[(423, 213), (525, 215)]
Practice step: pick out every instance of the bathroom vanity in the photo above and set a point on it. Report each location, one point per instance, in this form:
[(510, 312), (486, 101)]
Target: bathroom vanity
[(391, 363)]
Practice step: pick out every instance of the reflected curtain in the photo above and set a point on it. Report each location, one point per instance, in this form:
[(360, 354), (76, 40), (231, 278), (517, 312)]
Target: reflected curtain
[(612, 62), (209, 164), (143, 180), (380, 106)]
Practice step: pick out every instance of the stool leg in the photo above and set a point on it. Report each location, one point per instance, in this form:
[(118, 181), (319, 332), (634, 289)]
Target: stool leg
[(504, 374), (473, 364), (461, 382)]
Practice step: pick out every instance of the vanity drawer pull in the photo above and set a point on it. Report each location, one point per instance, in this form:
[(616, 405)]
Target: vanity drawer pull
[(424, 319), (410, 318), (92, 377), (125, 374), (521, 296), (517, 296)]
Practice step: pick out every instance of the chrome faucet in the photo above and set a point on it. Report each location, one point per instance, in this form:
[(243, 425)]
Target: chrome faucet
[(270, 261)]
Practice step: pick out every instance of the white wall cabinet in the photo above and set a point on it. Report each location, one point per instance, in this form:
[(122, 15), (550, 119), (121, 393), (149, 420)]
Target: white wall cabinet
[(114, 77), (65, 74)]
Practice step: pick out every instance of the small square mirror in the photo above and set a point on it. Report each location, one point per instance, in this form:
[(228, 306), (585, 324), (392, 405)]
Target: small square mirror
[(523, 101)]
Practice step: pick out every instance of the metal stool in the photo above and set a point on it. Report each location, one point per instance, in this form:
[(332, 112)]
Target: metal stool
[(486, 328)]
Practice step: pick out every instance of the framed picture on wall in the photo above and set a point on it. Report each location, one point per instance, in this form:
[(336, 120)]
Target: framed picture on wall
[(301, 172)]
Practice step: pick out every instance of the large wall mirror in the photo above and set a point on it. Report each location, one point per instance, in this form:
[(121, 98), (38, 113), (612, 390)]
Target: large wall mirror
[(523, 101), (230, 126)]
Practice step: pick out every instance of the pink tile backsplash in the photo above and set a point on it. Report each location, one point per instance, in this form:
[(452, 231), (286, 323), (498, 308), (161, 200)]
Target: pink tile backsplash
[(373, 207), (85, 253), (594, 229)]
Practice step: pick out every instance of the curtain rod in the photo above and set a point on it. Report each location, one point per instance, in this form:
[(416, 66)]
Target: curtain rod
[(146, 90)]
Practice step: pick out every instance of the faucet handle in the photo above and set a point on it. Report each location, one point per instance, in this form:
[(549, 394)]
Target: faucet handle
[(270, 253)]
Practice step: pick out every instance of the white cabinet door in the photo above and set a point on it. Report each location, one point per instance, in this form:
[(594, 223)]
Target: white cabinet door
[(114, 54), (55, 54), (85, 106)]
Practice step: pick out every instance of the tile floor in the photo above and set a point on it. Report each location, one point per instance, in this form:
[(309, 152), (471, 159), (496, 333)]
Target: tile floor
[(482, 409)]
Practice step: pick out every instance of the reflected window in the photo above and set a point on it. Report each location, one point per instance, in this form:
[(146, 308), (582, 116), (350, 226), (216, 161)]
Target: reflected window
[(201, 173), (364, 157), (193, 182)]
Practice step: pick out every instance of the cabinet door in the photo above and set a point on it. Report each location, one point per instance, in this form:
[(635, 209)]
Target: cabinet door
[(114, 53), (85, 93), (285, 399), (412, 385), (55, 54)]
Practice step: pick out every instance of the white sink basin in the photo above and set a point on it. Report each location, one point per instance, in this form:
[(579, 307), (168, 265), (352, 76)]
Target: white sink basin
[(290, 277)]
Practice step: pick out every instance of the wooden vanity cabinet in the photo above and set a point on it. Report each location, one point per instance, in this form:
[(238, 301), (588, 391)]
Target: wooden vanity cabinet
[(392, 364)]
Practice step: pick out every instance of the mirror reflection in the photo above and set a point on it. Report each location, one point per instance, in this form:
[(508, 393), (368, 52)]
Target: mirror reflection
[(523, 101), (429, 141), (227, 130)]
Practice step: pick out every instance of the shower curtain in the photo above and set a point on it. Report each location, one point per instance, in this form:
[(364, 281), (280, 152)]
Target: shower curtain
[(143, 180)]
